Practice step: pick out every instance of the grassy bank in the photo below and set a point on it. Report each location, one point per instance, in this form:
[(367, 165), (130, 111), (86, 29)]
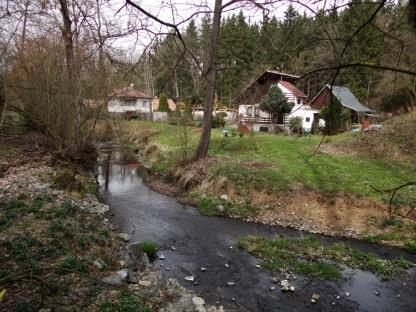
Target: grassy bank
[(278, 179), (48, 250), (278, 162), (307, 256)]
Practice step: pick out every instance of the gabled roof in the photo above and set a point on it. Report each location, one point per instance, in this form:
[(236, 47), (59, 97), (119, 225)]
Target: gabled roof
[(267, 74), (130, 92), (346, 98), (292, 89)]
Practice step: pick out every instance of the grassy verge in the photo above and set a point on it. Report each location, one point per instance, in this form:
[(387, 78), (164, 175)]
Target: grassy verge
[(47, 249), (307, 256), (289, 161)]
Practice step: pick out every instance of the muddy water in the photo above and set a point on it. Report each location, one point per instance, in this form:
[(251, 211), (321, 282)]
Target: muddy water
[(211, 242)]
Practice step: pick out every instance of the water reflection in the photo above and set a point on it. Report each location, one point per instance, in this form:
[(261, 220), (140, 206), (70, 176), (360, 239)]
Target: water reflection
[(118, 171)]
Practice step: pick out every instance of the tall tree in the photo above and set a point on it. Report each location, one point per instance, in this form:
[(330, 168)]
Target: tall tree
[(202, 150)]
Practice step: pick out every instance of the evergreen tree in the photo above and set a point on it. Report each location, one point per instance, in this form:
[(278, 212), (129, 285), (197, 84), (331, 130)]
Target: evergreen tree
[(163, 103), (275, 103)]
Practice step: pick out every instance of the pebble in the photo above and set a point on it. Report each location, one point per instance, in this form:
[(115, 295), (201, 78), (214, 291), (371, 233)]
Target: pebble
[(230, 283), (226, 265), (198, 301), (272, 288), (189, 278), (124, 237), (315, 297), (145, 283), (220, 208), (173, 248), (376, 292), (347, 294), (258, 266), (284, 285), (203, 269), (161, 257), (224, 197)]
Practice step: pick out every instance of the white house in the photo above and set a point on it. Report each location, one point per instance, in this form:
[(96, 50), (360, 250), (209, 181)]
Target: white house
[(258, 119), (130, 100)]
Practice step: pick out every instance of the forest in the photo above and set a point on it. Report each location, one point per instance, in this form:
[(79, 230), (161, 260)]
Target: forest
[(296, 44)]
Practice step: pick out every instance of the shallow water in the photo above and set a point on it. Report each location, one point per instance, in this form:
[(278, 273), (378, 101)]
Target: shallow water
[(211, 242)]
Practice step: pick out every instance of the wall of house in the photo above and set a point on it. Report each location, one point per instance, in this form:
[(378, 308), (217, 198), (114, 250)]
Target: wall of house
[(306, 113), (322, 99), (137, 105)]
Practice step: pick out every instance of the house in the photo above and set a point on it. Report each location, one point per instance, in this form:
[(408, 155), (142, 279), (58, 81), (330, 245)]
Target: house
[(250, 98), (345, 97), (171, 104), (130, 101)]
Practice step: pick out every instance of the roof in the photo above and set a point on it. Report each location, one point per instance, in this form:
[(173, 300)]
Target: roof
[(348, 100), (263, 75), (171, 104), (292, 89), (130, 92)]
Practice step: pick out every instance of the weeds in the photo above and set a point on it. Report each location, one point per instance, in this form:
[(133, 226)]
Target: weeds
[(126, 302), (149, 247), (309, 257)]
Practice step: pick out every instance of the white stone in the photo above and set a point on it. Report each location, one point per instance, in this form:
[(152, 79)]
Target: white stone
[(145, 283), (189, 278), (224, 197), (198, 301)]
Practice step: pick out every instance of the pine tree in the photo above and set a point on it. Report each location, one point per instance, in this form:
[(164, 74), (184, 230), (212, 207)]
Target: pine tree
[(275, 103), (163, 103)]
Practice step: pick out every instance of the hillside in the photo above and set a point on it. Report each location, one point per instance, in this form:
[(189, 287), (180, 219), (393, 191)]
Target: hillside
[(395, 141)]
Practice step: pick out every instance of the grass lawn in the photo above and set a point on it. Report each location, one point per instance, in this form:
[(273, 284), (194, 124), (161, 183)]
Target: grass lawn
[(288, 161)]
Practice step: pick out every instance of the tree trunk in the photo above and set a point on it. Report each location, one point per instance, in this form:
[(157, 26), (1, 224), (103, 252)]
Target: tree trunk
[(67, 37), (203, 145)]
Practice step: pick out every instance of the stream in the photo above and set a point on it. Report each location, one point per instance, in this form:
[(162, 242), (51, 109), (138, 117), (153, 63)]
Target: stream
[(211, 242)]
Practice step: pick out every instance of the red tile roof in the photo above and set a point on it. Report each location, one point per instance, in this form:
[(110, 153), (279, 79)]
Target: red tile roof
[(292, 88)]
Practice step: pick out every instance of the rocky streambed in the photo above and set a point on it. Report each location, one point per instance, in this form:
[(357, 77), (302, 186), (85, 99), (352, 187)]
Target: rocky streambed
[(59, 251), (203, 255)]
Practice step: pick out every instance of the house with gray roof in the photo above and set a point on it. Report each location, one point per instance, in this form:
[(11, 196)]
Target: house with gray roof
[(345, 97)]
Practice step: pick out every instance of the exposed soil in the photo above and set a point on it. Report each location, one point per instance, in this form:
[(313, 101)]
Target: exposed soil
[(336, 214)]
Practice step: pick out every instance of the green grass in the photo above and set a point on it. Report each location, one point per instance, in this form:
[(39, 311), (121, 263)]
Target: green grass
[(149, 247), (126, 302), (307, 256), (290, 162)]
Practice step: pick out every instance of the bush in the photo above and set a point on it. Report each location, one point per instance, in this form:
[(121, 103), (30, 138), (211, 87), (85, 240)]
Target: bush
[(149, 247), (163, 103), (397, 102), (218, 121), (296, 125)]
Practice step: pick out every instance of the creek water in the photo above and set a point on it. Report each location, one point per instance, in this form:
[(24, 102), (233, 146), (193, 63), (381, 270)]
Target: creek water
[(211, 242)]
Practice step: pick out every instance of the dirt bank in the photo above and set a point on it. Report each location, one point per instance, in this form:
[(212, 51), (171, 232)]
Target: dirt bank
[(337, 214)]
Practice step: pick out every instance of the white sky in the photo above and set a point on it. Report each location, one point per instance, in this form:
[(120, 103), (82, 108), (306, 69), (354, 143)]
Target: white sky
[(176, 11)]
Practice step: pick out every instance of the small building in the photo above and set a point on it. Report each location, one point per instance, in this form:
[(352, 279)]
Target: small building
[(171, 104), (250, 98), (345, 97), (130, 101)]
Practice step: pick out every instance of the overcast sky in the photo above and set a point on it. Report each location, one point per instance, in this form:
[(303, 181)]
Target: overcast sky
[(177, 11)]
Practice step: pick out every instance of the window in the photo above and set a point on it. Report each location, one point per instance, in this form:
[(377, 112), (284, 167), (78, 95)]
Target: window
[(127, 102), (308, 119), (256, 112), (299, 101)]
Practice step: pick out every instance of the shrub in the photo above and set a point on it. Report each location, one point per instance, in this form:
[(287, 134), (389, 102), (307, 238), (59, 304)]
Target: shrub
[(149, 247), (218, 121), (163, 103), (296, 125)]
